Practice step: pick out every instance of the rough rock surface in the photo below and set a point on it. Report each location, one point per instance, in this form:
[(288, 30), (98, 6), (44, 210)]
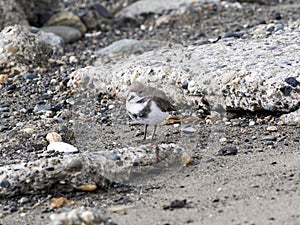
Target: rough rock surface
[(23, 47), (237, 74), (82, 215), (98, 168), (24, 11)]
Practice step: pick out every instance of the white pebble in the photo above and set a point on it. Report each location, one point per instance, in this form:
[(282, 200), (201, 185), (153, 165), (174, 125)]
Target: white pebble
[(251, 123), (62, 147), (272, 128), (111, 106), (28, 130), (73, 59), (223, 140)]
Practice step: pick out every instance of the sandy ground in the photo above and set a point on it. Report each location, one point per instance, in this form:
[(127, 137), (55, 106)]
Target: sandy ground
[(259, 185)]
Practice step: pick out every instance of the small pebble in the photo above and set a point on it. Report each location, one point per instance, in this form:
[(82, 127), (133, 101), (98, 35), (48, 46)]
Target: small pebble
[(62, 147), (272, 128), (292, 81), (3, 128), (28, 130), (251, 123), (53, 137), (87, 217), (286, 90), (41, 108), (185, 84), (87, 187), (112, 156), (24, 200), (74, 164), (11, 88), (30, 75), (269, 138), (4, 183), (111, 107), (223, 140), (186, 158), (189, 130), (228, 150), (4, 109), (70, 101), (3, 78), (73, 59)]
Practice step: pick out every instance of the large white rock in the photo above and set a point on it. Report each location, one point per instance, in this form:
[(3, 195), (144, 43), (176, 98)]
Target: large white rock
[(238, 74)]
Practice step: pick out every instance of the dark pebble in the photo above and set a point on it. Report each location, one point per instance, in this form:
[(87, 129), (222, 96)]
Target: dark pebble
[(4, 183), (102, 11), (291, 81), (228, 150), (11, 88), (269, 138), (185, 84), (221, 66), (4, 105), (277, 16), (176, 204), (270, 143), (271, 29), (30, 75), (13, 208), (47, 210), (56, 107), (286, 90), (234, 35), (50, 168), (111, 222), (271, 48), (65, 81), (191, 9), (4, 115)]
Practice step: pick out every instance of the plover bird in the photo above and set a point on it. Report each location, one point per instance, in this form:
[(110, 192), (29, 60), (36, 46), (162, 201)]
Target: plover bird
[(148, 105)]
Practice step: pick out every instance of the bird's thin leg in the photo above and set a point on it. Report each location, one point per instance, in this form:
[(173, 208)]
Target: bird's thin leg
[(153, 132), (145, 131)]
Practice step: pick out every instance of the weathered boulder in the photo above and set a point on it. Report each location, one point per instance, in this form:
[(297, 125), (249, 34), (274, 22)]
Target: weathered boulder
[(237, 74), (24, 12), (20, 46)]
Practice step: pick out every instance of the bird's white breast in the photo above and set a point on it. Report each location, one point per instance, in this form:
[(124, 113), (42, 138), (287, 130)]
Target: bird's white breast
[(155, 116)]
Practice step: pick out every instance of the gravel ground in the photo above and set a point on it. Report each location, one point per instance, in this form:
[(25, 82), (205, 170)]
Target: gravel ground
[(261, 179)]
